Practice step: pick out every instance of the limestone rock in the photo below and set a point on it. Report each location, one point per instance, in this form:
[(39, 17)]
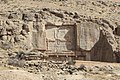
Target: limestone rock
[(87, 30)]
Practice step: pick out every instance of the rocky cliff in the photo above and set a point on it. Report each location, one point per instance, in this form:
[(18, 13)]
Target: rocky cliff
[(23, 26)]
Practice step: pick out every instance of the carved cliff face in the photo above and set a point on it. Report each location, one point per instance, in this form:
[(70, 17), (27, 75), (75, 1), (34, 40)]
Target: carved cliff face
[(59, 31)]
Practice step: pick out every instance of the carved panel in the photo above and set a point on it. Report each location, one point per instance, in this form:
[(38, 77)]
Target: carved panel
[(60, 39)]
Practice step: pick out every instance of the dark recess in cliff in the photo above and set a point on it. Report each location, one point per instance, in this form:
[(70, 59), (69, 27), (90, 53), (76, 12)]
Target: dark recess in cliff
[(102, 50)]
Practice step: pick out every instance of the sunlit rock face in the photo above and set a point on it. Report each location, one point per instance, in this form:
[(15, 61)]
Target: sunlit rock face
[(89, 35), (90, 30)]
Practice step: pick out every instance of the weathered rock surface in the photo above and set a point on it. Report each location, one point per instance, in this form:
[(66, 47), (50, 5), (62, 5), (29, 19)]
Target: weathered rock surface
[(43, 39), (93, 32)]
